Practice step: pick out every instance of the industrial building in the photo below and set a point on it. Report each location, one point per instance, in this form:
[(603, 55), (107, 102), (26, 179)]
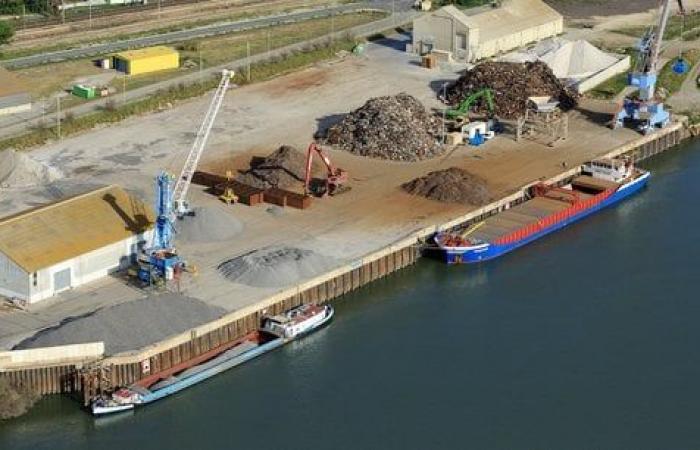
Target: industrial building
[(52, 248), (146, 60), (14, 96), (471, 35)]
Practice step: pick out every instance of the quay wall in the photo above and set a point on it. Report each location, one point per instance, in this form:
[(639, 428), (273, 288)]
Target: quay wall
[(90, 378)]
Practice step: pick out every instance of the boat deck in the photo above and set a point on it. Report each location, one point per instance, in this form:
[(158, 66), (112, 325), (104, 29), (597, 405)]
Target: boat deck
[(533, 210)]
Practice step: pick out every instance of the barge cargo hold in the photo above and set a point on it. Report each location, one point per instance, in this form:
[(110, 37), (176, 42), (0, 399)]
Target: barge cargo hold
[(274, 332), (603, 183)]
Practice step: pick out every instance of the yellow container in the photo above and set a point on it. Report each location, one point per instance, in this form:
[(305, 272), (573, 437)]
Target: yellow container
[(147, 60)]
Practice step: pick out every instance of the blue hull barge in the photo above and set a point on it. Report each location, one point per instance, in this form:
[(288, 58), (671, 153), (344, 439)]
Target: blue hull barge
[(274, 332), (603, 183)]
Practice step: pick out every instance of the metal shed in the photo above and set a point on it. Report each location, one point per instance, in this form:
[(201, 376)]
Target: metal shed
[(49, 249), (146, 60)]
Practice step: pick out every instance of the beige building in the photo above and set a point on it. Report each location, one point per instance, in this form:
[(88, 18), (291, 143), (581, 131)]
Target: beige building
[(56, 247), (479, 33)]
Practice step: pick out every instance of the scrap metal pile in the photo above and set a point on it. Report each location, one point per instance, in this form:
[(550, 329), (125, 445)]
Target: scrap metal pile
[(398, 128), (451, 185), (512, 85)]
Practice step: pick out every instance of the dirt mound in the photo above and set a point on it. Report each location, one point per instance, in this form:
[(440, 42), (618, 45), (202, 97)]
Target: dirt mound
[(451, 185), (275, 266), (208, 225), (512, 85), (18, 170), (398, 128), (284, 168)]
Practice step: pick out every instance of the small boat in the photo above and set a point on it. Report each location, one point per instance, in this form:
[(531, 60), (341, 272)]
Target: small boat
[(602, 183), (275, 331)]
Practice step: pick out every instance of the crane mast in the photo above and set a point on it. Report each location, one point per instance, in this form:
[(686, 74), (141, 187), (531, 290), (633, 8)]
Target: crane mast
[(183, 182)]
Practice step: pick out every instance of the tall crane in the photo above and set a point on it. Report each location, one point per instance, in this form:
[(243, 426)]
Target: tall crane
[(647, 111), (182, 185)]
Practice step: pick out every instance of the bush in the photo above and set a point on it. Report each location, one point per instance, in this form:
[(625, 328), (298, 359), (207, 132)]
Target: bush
[(16, 400), (6, 32)]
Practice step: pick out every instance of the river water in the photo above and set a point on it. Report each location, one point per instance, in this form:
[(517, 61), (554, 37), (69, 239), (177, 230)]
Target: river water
[(586, 339)]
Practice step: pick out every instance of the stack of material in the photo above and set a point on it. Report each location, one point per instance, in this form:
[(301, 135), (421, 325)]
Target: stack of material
[(512, 85), (18, 170), (577, 60), (451, 185), (398, 128), (284, 168)]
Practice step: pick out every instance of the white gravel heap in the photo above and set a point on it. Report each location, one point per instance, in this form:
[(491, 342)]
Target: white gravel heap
[(128, 326), (19, 170), (276, 266)]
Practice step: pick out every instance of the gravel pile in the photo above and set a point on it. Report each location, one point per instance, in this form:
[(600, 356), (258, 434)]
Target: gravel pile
[(451, 185), (128, 326), (275, 266), (18, 170), (512, 85), (284, 168), (208, 225), (398, 128)]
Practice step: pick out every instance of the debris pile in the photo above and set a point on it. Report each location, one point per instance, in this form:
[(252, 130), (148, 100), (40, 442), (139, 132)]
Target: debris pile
[(451, 185), (18, 170), (512, 84), (275, 266), (398, 128), (283, 168)]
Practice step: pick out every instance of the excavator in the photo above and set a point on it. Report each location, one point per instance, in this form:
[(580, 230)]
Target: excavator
[(335, 177), (465, 106)]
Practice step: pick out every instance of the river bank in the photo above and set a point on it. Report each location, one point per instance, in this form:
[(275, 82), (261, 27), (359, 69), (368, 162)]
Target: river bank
[(584, 339)]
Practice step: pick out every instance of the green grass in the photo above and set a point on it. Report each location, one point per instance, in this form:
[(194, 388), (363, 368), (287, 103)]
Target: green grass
[(258, 72), (671, 81), (674, 27), (610, 88)]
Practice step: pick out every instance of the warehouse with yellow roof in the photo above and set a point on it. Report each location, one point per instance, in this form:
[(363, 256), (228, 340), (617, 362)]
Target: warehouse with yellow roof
[(146, 60), (52, 248)]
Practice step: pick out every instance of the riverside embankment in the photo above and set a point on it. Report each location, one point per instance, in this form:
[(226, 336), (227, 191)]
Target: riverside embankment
[(88, 377)]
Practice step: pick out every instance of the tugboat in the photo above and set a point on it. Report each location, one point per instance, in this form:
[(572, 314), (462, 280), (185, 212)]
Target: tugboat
[(602, 183), (275, 331)]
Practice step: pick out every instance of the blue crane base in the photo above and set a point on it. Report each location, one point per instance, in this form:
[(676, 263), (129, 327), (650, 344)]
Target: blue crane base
[(647, 115)]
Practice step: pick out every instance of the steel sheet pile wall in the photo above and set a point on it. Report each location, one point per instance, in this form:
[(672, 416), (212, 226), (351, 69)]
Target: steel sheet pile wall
[(46, 380)]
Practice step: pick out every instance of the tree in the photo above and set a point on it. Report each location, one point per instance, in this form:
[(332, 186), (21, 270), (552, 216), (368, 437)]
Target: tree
[(6, 32)]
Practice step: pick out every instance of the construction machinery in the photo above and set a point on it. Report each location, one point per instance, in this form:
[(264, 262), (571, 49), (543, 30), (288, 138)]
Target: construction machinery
[(160, 262), (182, 185), (228, 196), (465, 106), (335, 177), (646, 110)]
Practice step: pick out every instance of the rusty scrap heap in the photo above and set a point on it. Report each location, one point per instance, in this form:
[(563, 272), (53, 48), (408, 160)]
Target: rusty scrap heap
[(284, 168), (398, 128), (512, 85)]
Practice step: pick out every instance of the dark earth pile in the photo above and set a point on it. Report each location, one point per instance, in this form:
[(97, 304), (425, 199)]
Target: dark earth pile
[(283, 168), (398, 128), (451, 185), (512, 85)]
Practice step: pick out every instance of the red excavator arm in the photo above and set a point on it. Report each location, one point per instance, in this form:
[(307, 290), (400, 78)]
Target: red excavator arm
[(335, 177)]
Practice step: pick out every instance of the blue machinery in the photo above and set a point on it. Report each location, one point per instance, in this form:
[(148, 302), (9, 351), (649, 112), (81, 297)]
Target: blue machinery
[(647, 111)]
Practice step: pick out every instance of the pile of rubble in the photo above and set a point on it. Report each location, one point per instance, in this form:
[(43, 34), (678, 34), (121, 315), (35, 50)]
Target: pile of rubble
[(451, 185), (398, 128), (284, 168), (512, 84)]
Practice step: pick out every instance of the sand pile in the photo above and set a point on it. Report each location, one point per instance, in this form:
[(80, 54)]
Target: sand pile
[(512, 85), (208, 225), (398, 128), (275, 266), (284, 168), (128, 326), (451, 185), (18, 170)]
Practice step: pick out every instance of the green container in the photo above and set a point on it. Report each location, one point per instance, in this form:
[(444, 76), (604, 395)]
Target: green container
[(85, 92)]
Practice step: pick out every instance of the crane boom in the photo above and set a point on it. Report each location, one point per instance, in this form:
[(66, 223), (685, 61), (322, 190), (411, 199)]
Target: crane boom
[(185, 179)]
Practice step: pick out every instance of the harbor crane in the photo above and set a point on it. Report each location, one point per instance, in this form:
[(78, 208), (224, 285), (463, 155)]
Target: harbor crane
[(646, 110), (161, 261)]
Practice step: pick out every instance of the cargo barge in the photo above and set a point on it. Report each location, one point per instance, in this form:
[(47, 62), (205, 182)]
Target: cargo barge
[(602, 183), (274, 332)]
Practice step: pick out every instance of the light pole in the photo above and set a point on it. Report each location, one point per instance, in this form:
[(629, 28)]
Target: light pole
[(444, 112), (247, 48), (90, 14), (58, 117)]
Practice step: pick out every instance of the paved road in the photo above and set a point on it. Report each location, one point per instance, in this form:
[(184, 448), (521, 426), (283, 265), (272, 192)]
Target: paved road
[(193, 33), (18, 123)]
